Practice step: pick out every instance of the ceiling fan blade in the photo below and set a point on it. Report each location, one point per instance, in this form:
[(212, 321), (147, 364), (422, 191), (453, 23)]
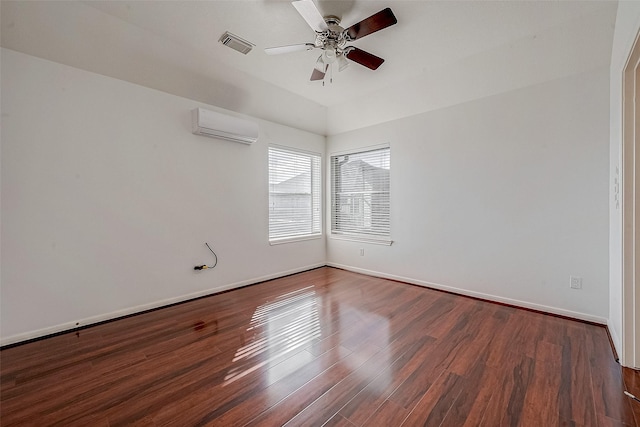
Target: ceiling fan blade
[(316, 74), (376, 22), (310, 13), (290, 48), (364, 58)]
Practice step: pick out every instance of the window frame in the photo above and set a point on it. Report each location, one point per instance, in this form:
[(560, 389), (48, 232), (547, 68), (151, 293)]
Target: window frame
[(316, 177), (356, 235)]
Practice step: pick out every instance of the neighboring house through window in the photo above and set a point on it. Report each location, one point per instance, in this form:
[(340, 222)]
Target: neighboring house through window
[(295, 199), (360, 202)]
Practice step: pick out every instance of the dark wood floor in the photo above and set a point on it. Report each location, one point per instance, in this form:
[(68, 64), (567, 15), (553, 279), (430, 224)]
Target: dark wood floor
[(325, 347)]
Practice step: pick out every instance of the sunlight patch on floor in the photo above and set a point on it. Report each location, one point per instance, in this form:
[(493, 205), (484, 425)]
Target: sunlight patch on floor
[(278, 327)]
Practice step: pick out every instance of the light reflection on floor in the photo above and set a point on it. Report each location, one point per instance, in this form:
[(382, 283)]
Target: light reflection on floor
[(376, 333), (278, 327)]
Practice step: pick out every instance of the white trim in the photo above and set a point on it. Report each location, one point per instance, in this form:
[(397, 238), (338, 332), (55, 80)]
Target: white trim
[(617, 343), (630, 213), (296, 149), (481, 295), (348, 237), (360, 149), (70, 326), (283, 240)]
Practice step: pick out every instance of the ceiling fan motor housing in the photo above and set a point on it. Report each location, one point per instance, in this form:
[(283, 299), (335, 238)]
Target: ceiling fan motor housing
[(333, 39)]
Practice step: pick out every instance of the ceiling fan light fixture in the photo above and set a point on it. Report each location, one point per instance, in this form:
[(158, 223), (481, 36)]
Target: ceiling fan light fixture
[(329, 56), (342, 63), (320, 64)]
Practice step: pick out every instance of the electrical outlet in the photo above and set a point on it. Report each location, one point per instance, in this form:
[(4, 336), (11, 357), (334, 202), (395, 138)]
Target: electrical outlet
[(361, 251), (575, 282)]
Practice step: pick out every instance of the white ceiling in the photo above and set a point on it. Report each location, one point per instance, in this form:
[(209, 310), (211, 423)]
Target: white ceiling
[(428, 34), (169, 39)]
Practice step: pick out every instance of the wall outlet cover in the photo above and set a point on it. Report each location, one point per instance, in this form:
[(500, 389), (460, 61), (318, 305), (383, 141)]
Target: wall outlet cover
[(575, 282)]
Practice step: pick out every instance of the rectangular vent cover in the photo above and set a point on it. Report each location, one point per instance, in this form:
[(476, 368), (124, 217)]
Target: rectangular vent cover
[(236, 43)]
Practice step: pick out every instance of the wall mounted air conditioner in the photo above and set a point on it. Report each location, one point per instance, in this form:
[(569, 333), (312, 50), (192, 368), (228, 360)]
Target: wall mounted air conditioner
[(217, 125)]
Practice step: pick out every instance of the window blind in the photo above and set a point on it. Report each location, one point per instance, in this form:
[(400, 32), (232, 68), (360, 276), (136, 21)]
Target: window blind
[(295, 201), (360, 202)]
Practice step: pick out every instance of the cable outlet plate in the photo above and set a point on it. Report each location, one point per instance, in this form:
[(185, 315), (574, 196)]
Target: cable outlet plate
[(575, 282)]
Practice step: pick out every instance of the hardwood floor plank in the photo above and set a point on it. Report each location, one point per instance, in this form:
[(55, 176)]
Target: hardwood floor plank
[(461, 331), (388, 414), (235, 408), (338, 421), (311, 392), (474, 400), (303, 385), (473, 347), (606, 380), (545, 388), (335, 398), (475, 392), (224, 387), (631, 381), (582, 401), (509, 390), (434, 406), (359, 409), (501, 348), (605, 421)]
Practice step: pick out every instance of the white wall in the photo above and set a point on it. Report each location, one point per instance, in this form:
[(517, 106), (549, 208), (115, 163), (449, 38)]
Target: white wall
[(503, 197), (626, 29), (107, 200)]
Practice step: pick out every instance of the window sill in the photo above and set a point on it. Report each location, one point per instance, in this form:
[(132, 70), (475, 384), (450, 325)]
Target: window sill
[(362, 239), (284, 240)]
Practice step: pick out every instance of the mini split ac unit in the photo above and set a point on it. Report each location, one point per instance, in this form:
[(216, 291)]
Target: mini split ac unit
[(217, 125)]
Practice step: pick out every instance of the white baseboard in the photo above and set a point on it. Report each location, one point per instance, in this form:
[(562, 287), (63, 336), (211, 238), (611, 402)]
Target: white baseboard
[(480, 295), (4, 341), (617, 342), (69, 326)]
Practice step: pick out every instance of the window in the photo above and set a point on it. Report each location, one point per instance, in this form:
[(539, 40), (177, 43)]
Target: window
[(360, 204), (294, 195)]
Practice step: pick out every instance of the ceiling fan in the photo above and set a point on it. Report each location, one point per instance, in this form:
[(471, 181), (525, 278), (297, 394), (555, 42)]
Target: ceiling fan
[(333, 39)]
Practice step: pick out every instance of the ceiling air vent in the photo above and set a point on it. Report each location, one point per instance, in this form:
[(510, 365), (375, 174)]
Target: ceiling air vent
[(236, 43)]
